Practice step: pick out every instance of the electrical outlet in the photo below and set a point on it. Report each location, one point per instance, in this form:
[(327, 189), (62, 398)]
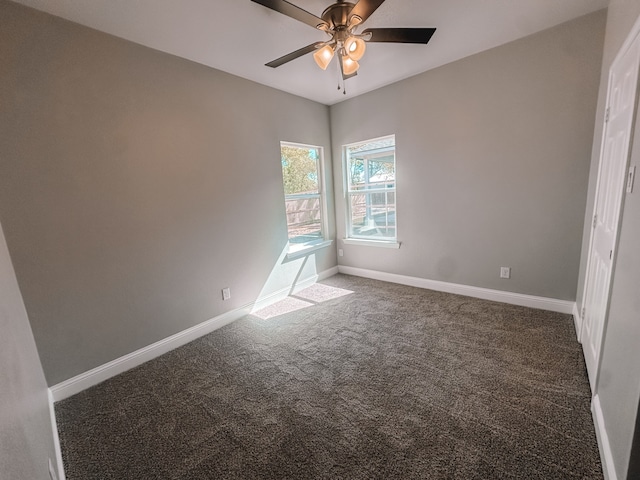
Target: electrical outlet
[(505, 272), (226, 293), (340, 252), (52, 471)]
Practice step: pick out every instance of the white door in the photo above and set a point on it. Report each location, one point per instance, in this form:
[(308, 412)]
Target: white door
[(621, 101)]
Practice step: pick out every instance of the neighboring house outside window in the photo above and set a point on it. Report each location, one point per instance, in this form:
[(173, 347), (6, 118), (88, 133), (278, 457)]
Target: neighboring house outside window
[(370, 171), (304, 196)]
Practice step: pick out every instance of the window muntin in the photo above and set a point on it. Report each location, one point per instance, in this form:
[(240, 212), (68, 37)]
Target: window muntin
[(371, 189), (303, 193)]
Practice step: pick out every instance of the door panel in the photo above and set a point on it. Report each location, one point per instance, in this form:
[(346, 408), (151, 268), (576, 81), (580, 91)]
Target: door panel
[(623, 81)]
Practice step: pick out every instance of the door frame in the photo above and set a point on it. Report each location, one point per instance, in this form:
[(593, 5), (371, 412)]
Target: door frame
[(633, 36)]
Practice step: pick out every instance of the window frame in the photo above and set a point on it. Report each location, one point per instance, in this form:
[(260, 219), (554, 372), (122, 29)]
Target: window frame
[(350, 238), (299, 249)]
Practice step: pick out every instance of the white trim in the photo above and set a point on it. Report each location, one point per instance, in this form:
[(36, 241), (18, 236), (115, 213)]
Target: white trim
[(561, 306), (322, 190), (110, 369), (305, 249), (371, 243), (606, 457), (56, 438), (577, 322), (346, 202), (595, 363)]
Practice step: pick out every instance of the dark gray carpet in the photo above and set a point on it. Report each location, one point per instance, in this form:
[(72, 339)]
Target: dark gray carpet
[(386, 382)]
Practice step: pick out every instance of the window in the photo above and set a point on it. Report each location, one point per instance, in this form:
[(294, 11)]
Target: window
[(303, 194), (371, 190)]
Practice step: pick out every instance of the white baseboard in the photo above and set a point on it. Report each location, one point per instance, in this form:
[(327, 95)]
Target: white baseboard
[(543, 303), (608, 468), (56, 438), (577, 322), (96, 375), (99, 374)]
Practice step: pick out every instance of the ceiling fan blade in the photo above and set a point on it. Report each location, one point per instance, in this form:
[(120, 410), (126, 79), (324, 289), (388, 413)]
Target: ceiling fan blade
[(400, 35), (290, 10), (293, 55), (364, 8)]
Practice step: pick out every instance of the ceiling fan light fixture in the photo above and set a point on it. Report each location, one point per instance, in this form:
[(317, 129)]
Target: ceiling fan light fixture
[(323, 56), (349, 65), (341, 20), (355, 47), (355, 20)]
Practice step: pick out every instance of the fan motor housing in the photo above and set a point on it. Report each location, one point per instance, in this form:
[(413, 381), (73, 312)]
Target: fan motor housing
[(337, 15)]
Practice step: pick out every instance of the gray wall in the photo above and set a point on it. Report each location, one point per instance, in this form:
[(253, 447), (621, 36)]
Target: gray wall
[(493, 159), (618, 385), (25, 425), (134, 185)]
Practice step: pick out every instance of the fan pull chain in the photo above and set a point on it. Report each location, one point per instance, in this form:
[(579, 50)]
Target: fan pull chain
[(341, 78)]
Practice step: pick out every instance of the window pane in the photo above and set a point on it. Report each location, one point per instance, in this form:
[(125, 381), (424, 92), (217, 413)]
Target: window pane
[(303, 196), (304, 220), (300, 169), (367, 173), (382, 172), (371, 182), (373, 215)]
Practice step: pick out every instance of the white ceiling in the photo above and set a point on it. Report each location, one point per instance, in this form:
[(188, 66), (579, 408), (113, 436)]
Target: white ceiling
[(239, 36)]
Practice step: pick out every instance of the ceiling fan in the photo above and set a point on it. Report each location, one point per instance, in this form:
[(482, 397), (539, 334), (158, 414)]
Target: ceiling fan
[(340, 21)]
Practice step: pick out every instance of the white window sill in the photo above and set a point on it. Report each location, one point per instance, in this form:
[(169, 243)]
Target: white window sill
[(371, 243), (301, 250)]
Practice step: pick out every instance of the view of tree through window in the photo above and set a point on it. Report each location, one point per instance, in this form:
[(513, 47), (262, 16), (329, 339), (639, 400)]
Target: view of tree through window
[(303, 192), (371, 189)]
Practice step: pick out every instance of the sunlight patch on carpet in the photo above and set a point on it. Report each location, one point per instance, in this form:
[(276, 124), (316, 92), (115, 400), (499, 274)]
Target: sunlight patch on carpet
[(282, 307), (308, 297), (319, 293)]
